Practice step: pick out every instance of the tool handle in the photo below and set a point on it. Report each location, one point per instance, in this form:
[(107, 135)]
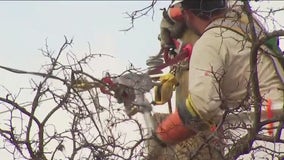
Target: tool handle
[(149, 122)]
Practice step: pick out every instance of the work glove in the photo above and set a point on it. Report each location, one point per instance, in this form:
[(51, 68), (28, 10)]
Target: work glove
[(164, 91)]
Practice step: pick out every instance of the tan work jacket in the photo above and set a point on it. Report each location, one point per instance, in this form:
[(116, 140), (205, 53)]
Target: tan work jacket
[(220, 70)]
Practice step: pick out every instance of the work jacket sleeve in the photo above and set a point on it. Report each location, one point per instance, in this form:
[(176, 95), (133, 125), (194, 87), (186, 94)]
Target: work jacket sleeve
[(205, 76)]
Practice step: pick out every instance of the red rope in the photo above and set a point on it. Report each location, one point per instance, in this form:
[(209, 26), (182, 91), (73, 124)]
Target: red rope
[(185, 53)]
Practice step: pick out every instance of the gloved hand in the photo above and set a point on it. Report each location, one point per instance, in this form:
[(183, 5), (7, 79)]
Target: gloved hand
[(163, 92)]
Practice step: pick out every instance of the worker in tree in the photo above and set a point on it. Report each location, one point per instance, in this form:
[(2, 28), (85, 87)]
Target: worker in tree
[(219, 72), (173, 30)]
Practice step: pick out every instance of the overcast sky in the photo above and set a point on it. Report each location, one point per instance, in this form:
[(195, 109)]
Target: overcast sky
[(26, 25)]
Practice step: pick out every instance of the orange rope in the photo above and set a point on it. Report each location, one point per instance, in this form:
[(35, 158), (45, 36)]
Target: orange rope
[(269, 116)]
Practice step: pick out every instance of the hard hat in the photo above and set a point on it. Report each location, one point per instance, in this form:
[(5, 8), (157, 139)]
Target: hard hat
[(204, 5), (175, 2)]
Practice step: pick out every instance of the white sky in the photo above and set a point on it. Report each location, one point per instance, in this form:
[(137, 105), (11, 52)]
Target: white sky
[(25, 26)]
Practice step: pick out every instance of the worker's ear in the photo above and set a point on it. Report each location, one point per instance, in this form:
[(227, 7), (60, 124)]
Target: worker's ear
[(175, 14)]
